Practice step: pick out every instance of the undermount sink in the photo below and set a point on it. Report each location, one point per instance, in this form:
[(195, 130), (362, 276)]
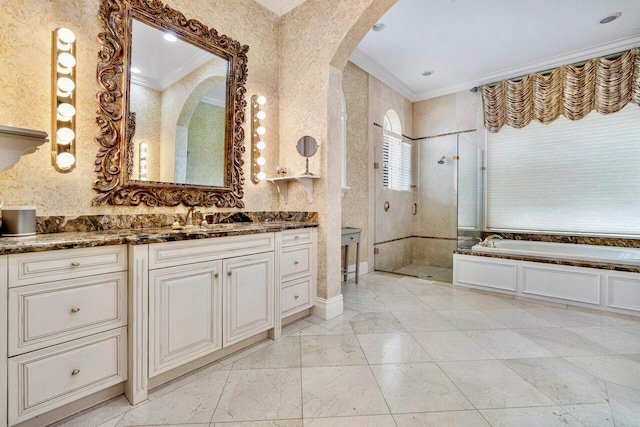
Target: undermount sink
[(207, 227)]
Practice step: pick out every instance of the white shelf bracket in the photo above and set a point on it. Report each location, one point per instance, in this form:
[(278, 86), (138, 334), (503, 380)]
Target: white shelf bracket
[(282, 184)]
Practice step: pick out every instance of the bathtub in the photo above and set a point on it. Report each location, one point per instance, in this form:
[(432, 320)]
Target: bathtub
[(565, 251), (601, 277)]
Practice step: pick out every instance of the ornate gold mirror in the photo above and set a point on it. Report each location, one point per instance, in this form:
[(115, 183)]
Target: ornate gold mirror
[(172, 104)]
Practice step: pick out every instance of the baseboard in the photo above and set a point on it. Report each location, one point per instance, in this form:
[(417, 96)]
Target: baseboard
[(351, 271), (328, 309)]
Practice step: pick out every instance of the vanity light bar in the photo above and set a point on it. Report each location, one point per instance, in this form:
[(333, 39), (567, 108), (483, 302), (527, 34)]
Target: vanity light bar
[(257, 144), (142, 165), (63, 91)]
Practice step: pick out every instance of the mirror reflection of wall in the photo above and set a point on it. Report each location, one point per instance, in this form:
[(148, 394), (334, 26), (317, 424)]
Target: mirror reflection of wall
[(178, 93)]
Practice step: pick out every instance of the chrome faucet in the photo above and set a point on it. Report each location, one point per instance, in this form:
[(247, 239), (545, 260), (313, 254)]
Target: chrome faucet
[(188, 221), (486, 241)]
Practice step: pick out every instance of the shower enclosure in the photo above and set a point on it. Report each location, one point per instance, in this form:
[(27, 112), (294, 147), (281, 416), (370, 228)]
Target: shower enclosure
[(417, 231)]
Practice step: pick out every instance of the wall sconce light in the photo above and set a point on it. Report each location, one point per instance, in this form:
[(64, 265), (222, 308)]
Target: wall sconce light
[(63, 71), (142, 165), (257, 144)]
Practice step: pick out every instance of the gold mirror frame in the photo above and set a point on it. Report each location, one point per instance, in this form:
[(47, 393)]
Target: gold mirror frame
[(114, 161)]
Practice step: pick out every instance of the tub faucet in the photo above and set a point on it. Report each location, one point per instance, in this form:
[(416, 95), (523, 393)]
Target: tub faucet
[(485, 242)]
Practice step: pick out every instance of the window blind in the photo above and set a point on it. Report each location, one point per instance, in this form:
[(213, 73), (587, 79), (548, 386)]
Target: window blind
[(567, 176), (396, 161)]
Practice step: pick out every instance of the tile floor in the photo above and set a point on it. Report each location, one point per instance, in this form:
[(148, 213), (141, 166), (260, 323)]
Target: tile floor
[(410, 352)]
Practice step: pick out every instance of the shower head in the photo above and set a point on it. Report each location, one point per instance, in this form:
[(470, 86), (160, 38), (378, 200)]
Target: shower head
[(441, 161)]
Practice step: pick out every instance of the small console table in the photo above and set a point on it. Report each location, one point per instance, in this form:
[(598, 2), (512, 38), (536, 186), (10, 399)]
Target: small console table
[(350, 235)]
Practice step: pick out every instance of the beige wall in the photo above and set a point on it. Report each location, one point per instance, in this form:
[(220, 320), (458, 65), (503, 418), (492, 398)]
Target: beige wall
[(436, 198), (317, 38), (392, 226), (295, 61), (355, 210), (25, 84)]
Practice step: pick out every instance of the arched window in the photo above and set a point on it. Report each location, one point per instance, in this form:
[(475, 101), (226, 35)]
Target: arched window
[(396, 155)]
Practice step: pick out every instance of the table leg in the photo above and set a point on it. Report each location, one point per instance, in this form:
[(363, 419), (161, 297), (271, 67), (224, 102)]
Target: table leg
[(357, 260), (346, 262)]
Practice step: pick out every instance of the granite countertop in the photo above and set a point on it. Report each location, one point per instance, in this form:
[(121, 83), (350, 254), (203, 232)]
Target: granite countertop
[(139, 236)]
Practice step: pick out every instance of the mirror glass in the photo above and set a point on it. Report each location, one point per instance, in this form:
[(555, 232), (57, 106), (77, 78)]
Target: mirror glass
[(171, 109), (307, 146), (178, 93)]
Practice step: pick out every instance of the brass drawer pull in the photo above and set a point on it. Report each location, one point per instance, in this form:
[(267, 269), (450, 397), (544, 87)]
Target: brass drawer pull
[(75, 309), (296, 263), (75, 264), (75, 372), (230, 273), (216, 275), (296, 296), (297, 237)]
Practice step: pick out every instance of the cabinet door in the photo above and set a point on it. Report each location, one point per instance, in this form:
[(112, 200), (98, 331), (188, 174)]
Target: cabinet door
[(185, 314), (249, 288)]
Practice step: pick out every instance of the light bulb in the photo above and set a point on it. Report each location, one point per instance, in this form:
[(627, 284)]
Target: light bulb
[(135, 70), (261, 161), (170, 37), (261, 130), (143, 163), (66, 112), (260, 145), (66, 60), (261, 176), (66, 85), (261, 100), (65, 136), (66, 36), (65, 160), (261, 115)]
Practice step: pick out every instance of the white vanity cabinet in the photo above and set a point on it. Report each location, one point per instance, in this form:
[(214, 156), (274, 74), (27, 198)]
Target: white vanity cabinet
[(66, 323), (195, 301), (298, 270), (185, 314), (249, 296)]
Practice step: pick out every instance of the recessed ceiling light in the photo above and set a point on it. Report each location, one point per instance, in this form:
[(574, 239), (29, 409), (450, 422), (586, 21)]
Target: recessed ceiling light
[(135, 70), (378, 27), (427, 73), (610, 18), (170, 37)]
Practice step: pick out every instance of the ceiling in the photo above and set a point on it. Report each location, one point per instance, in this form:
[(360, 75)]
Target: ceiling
[(467, 43)]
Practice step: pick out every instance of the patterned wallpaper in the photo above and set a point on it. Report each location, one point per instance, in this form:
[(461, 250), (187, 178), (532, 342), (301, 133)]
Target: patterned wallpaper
[(25, 99), (205, 164), (355, 203), (146, 104), (295, 61)]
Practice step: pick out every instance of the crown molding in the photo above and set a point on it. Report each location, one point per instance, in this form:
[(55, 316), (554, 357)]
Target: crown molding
[(280, 7), (367, 64), (364, 62), (213, 101), (190, 64)]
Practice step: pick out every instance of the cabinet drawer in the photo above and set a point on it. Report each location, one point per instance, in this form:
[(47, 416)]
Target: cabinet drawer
[(172, 254), (46, 379), (295, 262), (37, 267), (298, 236), (296, 296), (50, 313)]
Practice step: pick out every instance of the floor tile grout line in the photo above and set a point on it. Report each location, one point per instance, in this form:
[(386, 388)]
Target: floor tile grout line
[(211, 422)]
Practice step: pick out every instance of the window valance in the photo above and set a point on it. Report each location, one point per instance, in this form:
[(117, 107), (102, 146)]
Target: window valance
[(605, 84)]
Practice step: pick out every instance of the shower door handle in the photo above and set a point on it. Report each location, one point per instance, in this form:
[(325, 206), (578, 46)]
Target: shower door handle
[(414, 209)]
